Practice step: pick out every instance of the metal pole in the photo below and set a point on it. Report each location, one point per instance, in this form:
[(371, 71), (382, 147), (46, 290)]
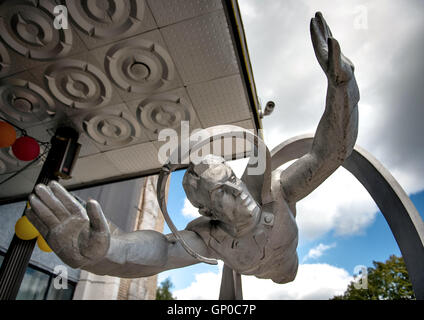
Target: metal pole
[(19, 252)]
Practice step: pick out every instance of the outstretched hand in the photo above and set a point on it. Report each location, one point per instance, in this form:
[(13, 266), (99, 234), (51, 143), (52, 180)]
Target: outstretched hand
[(336, 66), (78, 235)]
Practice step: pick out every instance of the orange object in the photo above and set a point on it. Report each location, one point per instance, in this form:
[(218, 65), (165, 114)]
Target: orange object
[(7, 134)]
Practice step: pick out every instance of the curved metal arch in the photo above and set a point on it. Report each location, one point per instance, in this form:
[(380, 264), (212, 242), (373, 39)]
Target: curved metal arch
[(400, 213)]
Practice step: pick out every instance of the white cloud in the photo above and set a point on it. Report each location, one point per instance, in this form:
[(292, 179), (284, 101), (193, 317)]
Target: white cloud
[(189, 211), (313, 281), (318, 251), (341, 204)]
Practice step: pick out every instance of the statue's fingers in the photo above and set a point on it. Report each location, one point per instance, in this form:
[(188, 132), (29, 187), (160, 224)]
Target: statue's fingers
[(320, 46), (323, 26), (98, 221), (319, 21), (43, 212), (36, 222), (68, 201), (334, 60), (49, 199)]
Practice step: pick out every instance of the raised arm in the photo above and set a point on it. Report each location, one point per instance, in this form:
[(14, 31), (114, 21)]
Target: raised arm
[(337, 130), (80, 236)]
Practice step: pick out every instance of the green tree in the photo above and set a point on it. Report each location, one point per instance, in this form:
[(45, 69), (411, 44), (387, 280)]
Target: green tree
[(163, 291), (386, 281)]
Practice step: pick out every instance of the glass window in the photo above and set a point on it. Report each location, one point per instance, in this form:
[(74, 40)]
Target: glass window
[(60, 294), (34, 285), (39, 285)]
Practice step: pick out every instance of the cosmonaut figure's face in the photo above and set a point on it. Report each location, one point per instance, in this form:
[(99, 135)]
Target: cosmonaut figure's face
[(213, 187)]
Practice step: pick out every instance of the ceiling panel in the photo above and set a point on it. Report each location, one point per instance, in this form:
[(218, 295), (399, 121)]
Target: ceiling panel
[(101, 22), (92, 168), (88, 146), (202, 47), (26, 103), (27, 28), (214, 98), (139, 65), (110, 127), (168, 12), (22, 183), (77, 84), (134, 158), (120, 73), (164, 111)]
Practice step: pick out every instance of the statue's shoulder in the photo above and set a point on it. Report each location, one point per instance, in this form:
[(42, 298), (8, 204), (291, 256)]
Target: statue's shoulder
[(278, 190), (276, 183), (202, 226)]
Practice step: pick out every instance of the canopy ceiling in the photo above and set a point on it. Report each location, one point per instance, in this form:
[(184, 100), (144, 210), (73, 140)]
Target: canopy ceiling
[(122, 71)]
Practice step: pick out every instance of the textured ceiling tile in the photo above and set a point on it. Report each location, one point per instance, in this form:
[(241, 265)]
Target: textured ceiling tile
[(28, 28), (220, 101), (43, 132), (88, 147), (94, 167), (202, 47), (139, 65), (170, 11), (18, 185), (247, 124), (228, 148), (12, 62), (164, 111), (106, 21), (26, 103), (110, 128), (136, 158), (31, 174), (9, 163), (78, 84)]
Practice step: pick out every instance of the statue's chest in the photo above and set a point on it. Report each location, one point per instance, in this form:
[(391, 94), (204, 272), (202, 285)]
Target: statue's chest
[(275, 232), (244, 253), (238, 253)]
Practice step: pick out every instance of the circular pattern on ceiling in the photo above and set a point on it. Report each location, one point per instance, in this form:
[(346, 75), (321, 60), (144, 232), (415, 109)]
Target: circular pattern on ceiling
[(78, 84), (106, 18), (142, 67), (25, 102), (4, 60), (28, 29), (156, 114), (112, 128)]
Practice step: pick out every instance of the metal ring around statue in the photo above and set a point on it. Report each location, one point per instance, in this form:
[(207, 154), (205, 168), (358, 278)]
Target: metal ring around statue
[(207, 136)]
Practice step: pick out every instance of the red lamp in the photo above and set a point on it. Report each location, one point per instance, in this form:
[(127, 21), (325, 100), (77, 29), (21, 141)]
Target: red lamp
[(26, 148)]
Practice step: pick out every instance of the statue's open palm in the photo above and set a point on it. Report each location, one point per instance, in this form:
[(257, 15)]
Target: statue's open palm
[(78, 235), (336, 66)]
